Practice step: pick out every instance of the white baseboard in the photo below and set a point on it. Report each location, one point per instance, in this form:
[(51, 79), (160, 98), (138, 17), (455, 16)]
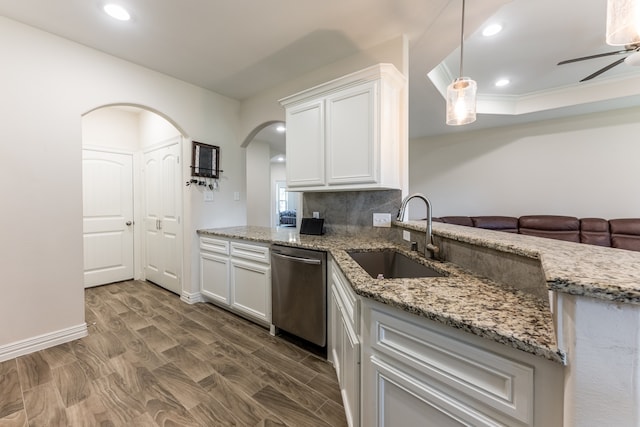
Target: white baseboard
[(191, 298), (40, 342)]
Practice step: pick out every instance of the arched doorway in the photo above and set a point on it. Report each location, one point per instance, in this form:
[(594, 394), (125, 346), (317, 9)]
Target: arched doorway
[(132, 197), (268, 202)]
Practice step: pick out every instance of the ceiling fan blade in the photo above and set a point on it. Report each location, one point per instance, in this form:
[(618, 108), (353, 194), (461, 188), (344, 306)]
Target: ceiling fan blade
[(603, 69), (599, 55)]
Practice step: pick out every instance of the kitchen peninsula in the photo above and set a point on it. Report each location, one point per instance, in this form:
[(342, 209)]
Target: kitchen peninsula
[(594, 296)]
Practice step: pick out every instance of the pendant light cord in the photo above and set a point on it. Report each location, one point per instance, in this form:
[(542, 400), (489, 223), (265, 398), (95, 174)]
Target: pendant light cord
[(462, 38)]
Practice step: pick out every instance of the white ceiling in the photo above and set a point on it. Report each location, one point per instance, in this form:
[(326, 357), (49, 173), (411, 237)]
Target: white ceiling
[(241, 47)]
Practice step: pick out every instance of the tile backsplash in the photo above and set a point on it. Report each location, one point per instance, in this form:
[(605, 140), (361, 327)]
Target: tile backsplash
[(351, 212)]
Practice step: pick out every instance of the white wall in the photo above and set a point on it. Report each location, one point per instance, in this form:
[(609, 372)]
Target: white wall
[(154, 129), (258, 160), (111, 128), (585, 166), (48, 84), (265, 107)]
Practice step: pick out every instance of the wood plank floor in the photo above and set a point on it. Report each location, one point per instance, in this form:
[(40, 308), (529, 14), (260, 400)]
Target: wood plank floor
[(152, 360)]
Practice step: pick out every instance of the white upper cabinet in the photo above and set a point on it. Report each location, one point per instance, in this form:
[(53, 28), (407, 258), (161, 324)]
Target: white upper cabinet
[(305, 125), (349, 133)]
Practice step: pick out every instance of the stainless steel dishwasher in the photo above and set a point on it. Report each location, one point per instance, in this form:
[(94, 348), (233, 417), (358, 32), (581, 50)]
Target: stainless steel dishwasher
[(299, 292)]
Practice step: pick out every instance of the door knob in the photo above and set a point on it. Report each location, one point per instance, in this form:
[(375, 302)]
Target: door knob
[(128, 223)]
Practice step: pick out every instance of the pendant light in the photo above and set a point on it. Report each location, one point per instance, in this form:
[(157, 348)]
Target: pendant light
[(623, 22), (461, 94)]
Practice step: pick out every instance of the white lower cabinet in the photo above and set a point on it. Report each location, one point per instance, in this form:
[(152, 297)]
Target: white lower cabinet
[(416, 372), (214, 269), (344, 342), (237, 275)]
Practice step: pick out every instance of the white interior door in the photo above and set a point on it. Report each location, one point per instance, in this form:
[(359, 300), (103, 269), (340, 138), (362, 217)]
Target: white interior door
[(107, 197), (162, 237)]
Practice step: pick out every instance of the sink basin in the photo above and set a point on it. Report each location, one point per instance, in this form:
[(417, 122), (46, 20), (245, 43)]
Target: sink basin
[(392, 265)]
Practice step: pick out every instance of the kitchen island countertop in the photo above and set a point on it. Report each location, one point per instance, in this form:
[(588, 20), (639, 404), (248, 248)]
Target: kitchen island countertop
[(461, 300), (575, 268)]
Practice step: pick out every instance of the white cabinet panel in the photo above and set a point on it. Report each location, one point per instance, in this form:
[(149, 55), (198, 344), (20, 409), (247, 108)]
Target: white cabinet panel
[(405, 401), (350, 375), (305, 157), (351, 135), (251, 287), (214, 277), (344, 342), (496, 381)]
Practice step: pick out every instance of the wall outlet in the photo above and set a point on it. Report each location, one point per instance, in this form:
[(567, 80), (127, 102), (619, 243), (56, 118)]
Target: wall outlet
[(406, 235), (208, 196), (236, 195), (382, 220), (316, 214)]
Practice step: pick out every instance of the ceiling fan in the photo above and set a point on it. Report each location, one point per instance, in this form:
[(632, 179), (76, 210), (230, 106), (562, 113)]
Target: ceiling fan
[(633, 59)]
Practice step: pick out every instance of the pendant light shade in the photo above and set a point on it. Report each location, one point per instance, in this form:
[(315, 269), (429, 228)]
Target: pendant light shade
[(461, 94), (623, 22), (461, 101)]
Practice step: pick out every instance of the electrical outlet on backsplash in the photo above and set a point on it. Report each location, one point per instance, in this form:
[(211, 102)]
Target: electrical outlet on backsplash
[(350, 212)]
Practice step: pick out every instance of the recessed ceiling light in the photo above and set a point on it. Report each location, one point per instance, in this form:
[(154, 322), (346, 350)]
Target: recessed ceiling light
[(502, 82), (491, 30), (116, 11), (281, 128)]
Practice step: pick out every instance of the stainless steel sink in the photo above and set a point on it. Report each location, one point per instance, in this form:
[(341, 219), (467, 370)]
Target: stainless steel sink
[(392, 265)]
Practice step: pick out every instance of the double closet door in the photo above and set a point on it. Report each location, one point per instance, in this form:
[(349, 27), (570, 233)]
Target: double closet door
[(162, 228)]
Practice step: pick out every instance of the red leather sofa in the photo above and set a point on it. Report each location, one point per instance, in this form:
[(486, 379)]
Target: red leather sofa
[(621, 233)]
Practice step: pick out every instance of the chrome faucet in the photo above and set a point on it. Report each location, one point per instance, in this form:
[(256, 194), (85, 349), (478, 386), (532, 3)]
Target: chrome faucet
[(430, 249)]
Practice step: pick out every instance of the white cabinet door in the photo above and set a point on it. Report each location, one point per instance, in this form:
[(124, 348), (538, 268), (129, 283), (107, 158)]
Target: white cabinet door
[(214, 277), (403, 401), (162, 238), (351, 136), (305, 145), (350, 375), (345, 345), (251, 288), (336, 339), (107, 200)]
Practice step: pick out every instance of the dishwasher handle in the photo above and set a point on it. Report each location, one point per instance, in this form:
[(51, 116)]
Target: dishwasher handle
[(297, 259)]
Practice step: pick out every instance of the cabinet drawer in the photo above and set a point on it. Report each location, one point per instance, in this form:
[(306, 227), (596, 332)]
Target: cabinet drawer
[(250, 252), (214, 245), (348, 300), (498, 382)]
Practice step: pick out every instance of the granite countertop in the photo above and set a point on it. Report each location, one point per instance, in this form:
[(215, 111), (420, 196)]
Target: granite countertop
[(578, 269), (461, 300)]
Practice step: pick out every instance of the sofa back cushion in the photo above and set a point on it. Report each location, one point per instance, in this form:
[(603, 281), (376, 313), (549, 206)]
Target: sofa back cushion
[(595, 231), (625, 233), (457, 220), (551, 226), (499, 223)]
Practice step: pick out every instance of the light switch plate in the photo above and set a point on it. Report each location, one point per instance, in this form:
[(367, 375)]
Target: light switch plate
[(316, 214), (382, 220), (406, 235), (208, 196)]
